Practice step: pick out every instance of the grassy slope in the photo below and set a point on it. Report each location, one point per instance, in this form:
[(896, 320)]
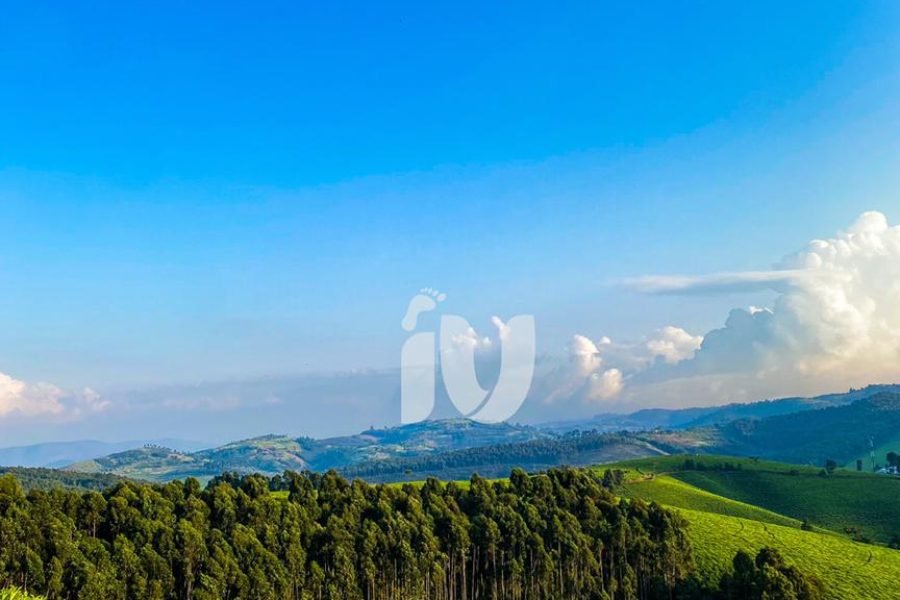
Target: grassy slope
[(720, 526), (677, 494), (834, 502), (849, 570), (843, 499)]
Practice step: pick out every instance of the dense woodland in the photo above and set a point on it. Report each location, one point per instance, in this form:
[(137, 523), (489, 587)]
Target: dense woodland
[(49, 479), (556, 535)]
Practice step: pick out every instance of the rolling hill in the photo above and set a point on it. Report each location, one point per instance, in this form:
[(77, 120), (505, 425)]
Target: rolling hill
[(849, 570), (836, 426), (275, 454), (858, 503), (849, 503), (720, 525), (690, 418), (841, 433), (54, 455)]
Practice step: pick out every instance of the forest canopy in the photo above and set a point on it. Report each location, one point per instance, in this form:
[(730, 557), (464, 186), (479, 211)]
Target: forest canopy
[(560, 534)]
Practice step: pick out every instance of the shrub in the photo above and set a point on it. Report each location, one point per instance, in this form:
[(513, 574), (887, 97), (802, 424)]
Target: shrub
[(16, 594)]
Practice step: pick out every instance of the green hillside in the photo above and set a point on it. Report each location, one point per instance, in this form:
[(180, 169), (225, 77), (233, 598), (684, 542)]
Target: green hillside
[(837, 502), (841, 433), (859, 504), (677, 494), (849, 570), (862, 502), (720, 526)]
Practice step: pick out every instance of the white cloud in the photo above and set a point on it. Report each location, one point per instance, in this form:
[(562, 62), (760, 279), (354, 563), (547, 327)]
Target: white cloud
[(606, 385), (585, 355), (28, 399), (846, 313), (597, 370), (718, 283), (673, 344), (471, 339), (19, 398), (834, 323)]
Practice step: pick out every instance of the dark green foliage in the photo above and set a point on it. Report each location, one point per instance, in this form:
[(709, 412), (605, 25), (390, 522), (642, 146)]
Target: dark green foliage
[(557, 535), (613, 479), (768, 577), (48, 479)]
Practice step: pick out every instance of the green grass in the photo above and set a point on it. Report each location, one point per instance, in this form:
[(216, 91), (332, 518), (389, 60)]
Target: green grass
[(719, 526), (748, 508), (677, 494), (849, 570), (16, 594), (844, 499), (835, 502)]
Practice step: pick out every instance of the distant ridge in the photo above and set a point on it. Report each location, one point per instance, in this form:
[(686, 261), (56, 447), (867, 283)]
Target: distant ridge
[(835, 426), (274, 454), (687, 418), (60, 454)]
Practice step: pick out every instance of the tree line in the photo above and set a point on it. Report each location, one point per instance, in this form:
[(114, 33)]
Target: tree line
[(557, 535)]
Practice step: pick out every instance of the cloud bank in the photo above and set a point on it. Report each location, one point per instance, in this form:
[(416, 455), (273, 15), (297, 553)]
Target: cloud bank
[(834, 323), (22, 399)]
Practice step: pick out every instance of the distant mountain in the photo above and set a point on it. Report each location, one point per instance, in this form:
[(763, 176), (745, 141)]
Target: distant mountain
[(275, 454), (841, 433), (61, 454), (805, 430), (687, 418)]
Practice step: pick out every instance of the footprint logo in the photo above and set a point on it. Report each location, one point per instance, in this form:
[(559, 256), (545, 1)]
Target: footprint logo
[(418, 365), (425, 301)]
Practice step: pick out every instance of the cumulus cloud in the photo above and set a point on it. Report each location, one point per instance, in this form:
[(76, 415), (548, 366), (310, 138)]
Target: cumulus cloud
[(846, 312), (835, 322), (673, 344), (585, 355), (584, 377), (19, 398), (28, 399), (597, 371), (606, 385)]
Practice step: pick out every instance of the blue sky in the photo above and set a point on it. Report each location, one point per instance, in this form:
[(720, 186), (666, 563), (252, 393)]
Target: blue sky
[(223, 192)]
